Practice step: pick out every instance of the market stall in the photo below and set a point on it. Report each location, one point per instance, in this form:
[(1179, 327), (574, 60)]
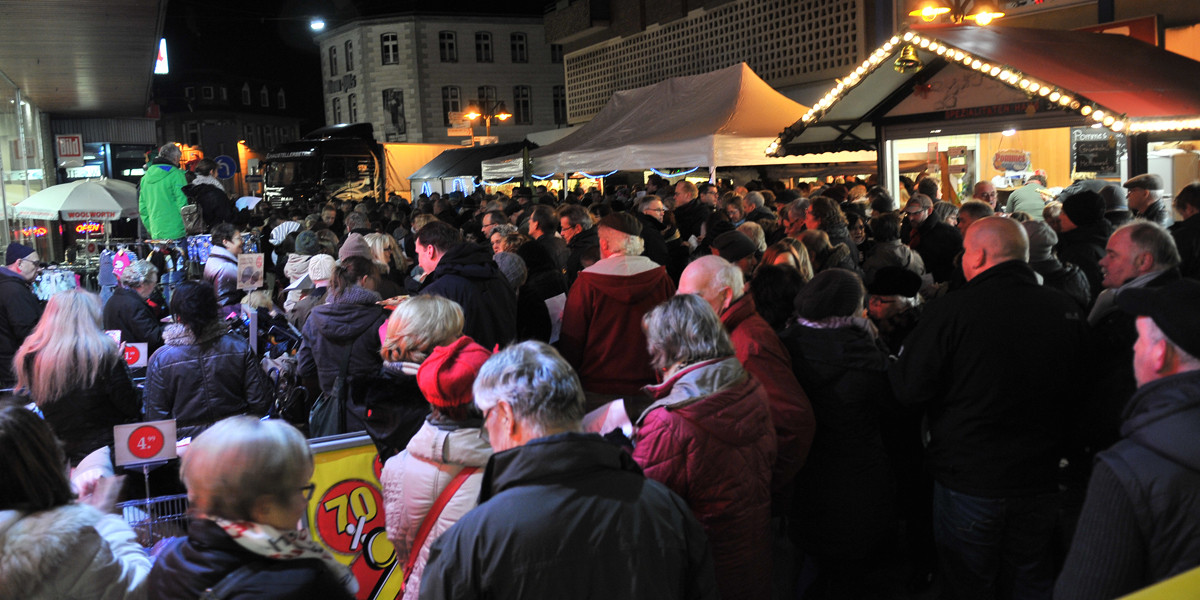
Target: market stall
[(995, 103), (459, 170), (720, 119)]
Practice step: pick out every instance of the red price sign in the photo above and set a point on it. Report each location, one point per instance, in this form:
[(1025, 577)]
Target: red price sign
[(145, 442), (348, 513), (132, 354)]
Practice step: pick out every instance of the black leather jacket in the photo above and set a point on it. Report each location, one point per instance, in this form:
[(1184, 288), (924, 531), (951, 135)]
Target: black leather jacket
[(199, 380)]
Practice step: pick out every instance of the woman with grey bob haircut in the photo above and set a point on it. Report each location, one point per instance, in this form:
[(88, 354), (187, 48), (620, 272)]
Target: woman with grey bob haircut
[(680, 333), (248, 487), (534, 384)]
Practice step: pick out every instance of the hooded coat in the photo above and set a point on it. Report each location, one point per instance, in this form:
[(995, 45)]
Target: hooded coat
[(160, 198), (221, 270), (602, 334), (1140, 524), (200, 379), (347, 322), (68, 552), (20, 312), (708, 437), (467, 275), (413, 480), (558, 517), (295, 269), (213, 201), (844, 492)]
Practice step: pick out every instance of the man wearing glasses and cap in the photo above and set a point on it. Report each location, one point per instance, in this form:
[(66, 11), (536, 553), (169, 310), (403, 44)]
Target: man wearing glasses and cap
[(19, 308)]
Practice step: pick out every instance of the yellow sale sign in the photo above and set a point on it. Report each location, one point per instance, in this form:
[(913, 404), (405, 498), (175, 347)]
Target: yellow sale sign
[(346, 515)]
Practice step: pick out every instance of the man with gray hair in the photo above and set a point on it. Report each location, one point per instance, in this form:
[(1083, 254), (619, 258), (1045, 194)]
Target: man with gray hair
[(577, 229), (793, 217), (127, 310), (562, 513), (602, 322), (758, 348), (160, 195), (755, 207), (1145, 198)]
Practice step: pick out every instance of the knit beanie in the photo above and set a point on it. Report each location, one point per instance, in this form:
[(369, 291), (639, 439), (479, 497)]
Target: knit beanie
[(734, 246), (16, 251), (320, 267), (831, 293), (1114, 197), (307, 243), (1041, 240), (355, 245), (1084, 208), (447, 375), (512, 267)]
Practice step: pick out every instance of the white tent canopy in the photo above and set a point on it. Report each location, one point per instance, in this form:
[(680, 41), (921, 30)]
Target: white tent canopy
[(723, 118)]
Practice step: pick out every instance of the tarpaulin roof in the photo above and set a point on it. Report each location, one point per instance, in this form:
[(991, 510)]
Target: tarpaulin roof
[(722, 118), (1142, 87), (466, 162)]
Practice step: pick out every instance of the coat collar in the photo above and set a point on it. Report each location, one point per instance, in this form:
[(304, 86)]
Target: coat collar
[(552, 459)]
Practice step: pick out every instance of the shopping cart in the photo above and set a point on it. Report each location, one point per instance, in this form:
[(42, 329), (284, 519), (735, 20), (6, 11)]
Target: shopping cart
[(155, 519)]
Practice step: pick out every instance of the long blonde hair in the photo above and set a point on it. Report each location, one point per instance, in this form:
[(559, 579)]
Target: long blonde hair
[(69, 348), (380, 243), (419, 325)]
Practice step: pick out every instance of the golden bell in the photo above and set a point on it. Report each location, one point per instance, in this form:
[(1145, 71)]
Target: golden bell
[(908, 60)]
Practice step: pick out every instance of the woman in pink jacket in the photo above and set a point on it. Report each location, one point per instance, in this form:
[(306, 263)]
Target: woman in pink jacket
[(708, 436), (450, 442)]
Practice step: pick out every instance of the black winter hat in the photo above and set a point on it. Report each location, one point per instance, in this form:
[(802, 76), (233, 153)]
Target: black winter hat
[(623, 222), (1173, 309), (895, 281), (1084, 208), (831, 293), (307, 243), (734, 246)]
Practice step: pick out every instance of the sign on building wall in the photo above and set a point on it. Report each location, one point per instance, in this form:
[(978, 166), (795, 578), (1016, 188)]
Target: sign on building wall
[(395, 127)]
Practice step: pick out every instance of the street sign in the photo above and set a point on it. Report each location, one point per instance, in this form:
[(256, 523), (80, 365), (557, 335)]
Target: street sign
[(459, 119), (254, 178), (459, 132), (69, 149), (485, 140), (226, 167), (141, 443)]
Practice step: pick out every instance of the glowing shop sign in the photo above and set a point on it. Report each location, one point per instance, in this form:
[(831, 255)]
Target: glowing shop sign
[(89, 228)]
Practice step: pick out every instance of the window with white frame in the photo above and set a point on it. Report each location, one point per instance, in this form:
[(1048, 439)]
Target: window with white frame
[(281, 99), (483, 47), (349, 56), (224, 93), (389, 44), (189, 92), (520, 47), (560, 104), (249, 137), (352, 107), (448, 46), (264, 97), (191, 133), (522, 113), (556, 53), (333, 61), (206, 92), (337, 110), (246, 93), (451, 102)]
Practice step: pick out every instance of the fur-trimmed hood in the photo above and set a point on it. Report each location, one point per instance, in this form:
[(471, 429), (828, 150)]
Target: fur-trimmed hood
[(178, 334), (64, 552)]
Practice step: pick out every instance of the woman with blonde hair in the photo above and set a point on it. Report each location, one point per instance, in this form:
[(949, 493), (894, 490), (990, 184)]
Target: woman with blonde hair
[(77, 375), (789, 251), (390, 403), (248, 486), (386, 252)]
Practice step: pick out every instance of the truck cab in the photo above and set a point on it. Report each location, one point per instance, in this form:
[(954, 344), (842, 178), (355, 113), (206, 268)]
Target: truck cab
[(339, 162)]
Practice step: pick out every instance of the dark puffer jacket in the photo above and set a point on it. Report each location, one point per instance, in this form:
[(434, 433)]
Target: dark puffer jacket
[(213, 202), (199, 380), (467, 275), (937, 243), (19, 315), (708, 436), (83, 419), (349, 321), (1066, 278), (1084, 247), (844, 492), (194, 564), (129, 313), (1187, 239)]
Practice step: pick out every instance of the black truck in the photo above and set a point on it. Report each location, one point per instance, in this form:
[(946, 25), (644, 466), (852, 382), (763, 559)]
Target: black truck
[(338, 162)]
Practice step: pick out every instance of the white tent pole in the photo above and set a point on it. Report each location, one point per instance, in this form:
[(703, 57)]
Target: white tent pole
[(712, 174)]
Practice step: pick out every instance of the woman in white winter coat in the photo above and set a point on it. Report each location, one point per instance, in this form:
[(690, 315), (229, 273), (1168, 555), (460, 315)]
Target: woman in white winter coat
[(52, 547), (449, 443)]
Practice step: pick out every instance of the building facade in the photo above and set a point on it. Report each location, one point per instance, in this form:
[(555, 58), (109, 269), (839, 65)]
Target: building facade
[(405, 74), (796, 46)]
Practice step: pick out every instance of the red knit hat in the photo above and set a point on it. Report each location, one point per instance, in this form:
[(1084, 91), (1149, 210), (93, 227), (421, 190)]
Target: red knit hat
[(447, 375)]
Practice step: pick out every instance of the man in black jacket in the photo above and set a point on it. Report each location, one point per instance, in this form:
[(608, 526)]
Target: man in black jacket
[(1083, 235), (207, 192), (19, 308), (543, 226), (580, 234), (650, 214), (936, 242), (465, 273), (690, 212), (995, 433), (563, 514), (127, 310), (1141, 520), (1145, 198), (1187, 231)]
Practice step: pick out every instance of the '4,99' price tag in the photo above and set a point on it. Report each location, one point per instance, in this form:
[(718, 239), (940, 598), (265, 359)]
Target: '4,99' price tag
[(139, 443)]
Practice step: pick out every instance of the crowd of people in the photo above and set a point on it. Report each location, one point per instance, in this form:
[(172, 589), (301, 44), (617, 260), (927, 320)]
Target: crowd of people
[(1005, 395)]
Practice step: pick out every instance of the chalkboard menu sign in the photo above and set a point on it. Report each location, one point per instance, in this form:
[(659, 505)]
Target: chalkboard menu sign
[(1097, 150)]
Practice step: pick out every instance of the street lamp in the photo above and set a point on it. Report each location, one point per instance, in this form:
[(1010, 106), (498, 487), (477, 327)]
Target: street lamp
[(982, 12), (491, 110), (317, 24)]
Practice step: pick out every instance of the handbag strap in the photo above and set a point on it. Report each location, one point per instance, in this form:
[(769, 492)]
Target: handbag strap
[(432, 516)]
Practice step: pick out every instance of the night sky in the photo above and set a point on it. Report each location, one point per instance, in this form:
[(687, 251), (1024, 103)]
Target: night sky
[(271, 39)]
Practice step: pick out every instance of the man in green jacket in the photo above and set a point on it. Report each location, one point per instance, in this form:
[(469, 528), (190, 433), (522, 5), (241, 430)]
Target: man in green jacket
[(161, 195)]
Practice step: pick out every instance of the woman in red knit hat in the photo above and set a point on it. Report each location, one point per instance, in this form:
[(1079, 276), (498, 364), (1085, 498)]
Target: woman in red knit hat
[(436, 479)]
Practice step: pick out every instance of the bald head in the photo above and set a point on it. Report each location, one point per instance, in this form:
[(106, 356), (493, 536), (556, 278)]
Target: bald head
[(715, 279), (991, 241)]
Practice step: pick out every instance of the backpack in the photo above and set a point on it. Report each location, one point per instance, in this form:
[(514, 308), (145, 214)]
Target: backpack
[(193, 219)]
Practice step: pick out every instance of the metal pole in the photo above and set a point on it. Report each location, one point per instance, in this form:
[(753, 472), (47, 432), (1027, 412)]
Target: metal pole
[(712, 174), (21, 141), (4, 236)]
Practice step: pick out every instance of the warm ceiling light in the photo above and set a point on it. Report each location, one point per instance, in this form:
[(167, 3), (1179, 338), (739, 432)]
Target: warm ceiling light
[(929, 12), (1085, 111)]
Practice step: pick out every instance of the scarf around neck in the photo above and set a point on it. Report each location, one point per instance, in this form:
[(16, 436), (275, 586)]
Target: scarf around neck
[(265, 540)]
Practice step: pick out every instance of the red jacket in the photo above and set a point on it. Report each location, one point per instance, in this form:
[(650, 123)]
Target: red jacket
[(709, 438), (602, 323), (760, 351)]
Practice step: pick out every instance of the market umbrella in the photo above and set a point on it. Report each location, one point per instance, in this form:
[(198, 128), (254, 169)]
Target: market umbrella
[(247, 202), (85, 200)]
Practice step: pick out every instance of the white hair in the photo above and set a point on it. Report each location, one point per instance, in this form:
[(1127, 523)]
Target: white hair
[(542, 389), (139, 273), (622, 243), (753, 200)]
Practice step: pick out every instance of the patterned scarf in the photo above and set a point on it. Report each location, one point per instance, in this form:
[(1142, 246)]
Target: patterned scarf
[(268, 541)]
